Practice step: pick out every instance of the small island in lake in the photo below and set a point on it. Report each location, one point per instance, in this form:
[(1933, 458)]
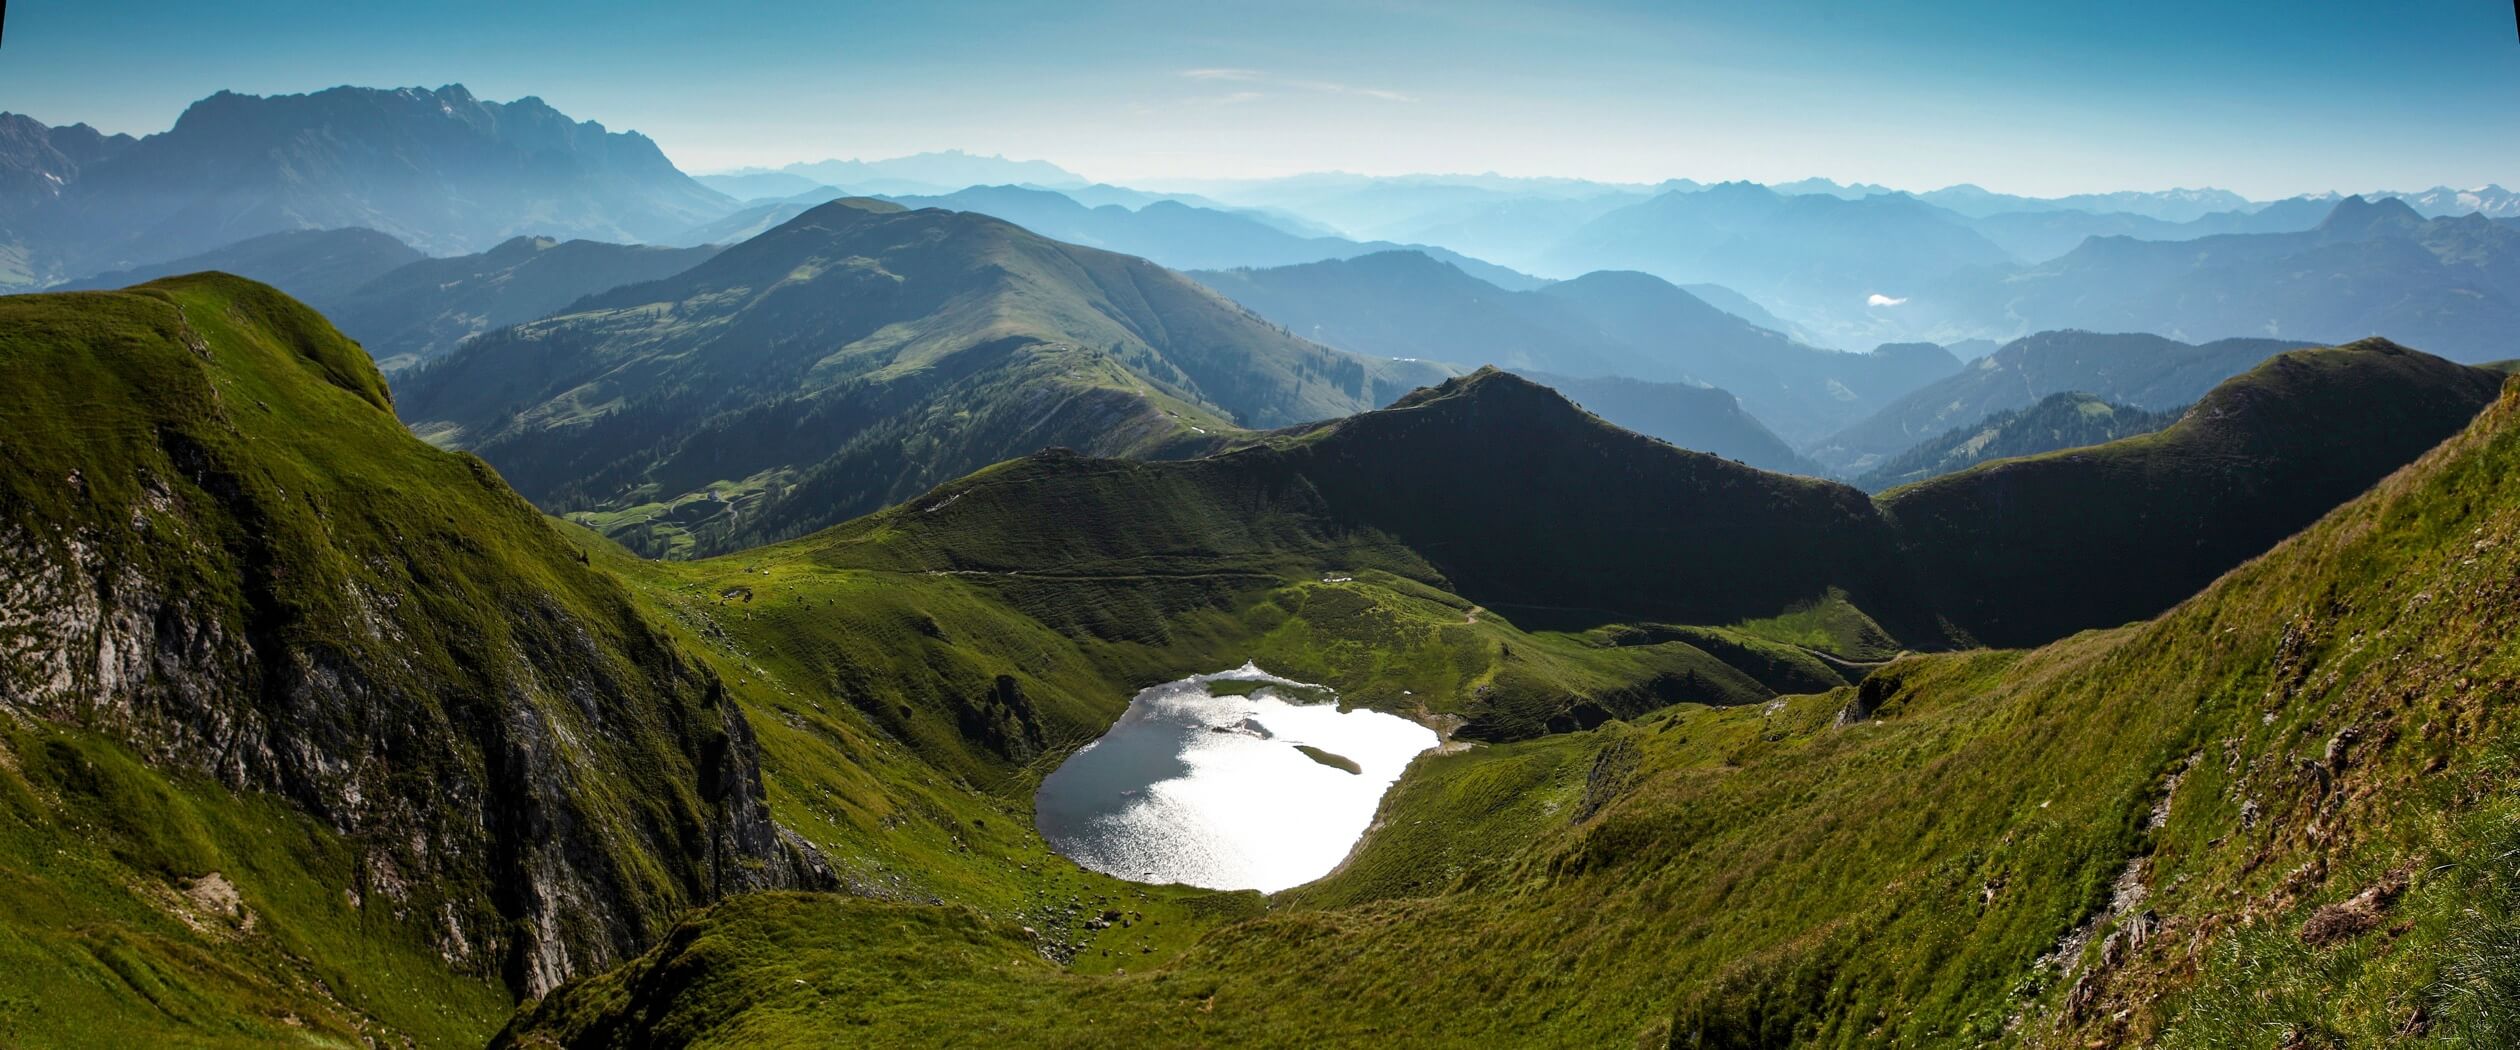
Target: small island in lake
[(1331, 760)]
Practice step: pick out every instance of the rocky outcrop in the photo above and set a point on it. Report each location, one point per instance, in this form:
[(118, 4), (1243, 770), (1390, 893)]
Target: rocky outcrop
[(473, 808), (380, 633), (1002, 720)]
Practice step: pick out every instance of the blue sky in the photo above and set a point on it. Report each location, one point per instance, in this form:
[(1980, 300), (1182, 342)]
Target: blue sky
[(2266, 98)]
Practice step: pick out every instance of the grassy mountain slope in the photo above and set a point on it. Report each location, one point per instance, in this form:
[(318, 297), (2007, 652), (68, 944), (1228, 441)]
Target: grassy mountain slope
[(2147, 371), (1480, 474), (1519, 502), (915, 687), (909, 676), (1511, 496), (2278, 815), (915, 673), (1162, 569), (1498, 491), (2257, 458), (2058, 421), (315, 728), (318, 267), (855, 356)]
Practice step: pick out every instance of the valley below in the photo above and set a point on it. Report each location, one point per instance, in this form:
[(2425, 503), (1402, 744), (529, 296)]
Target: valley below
[(1724, 755)]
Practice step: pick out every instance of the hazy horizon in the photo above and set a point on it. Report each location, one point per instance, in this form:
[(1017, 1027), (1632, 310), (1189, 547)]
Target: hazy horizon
[(2266, 100), (1166, 182)]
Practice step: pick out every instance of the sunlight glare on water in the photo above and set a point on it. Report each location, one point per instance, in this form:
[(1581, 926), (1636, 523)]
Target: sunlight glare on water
[(1210, 790)]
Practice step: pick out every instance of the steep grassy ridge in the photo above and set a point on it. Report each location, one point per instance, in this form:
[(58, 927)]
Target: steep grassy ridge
[(436, 709), (2262, 455), (1514, 499), (2278, 815), (315, 715), (1490, 485), (322, 728)]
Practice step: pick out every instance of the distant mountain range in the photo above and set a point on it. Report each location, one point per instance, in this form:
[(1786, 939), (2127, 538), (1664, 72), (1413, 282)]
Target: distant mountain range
[(1163, 230), (1403, 304), (859, 354), (939, 172), (406, 308), (439, 170), (2146, 371), (39, 163), (1394, 206), (751, 185), (1829, 263), (2163, 205), (2493, 201), (422, 311), (2448, 285), (1101, 194), (1523, 229), (2049, 232), (1817, 259), (1839, 265), (2058, 421), (318, 267), (1698, 418)]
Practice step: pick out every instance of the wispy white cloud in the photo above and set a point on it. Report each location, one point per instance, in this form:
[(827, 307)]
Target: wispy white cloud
[(1332, 87), (1878, 299), (1222, 74)]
